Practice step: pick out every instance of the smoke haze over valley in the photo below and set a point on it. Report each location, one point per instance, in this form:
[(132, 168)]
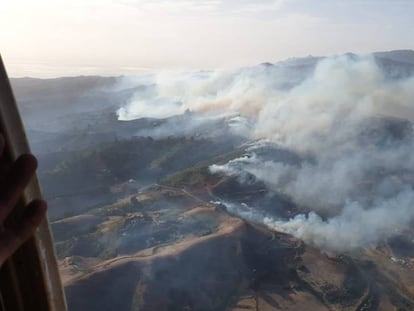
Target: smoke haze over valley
[(348, 118)]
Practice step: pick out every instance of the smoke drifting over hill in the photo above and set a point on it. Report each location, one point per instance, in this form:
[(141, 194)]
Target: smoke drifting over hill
[(347, 120)]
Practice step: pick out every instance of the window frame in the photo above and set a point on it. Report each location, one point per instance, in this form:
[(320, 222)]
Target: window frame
[(30, 279)]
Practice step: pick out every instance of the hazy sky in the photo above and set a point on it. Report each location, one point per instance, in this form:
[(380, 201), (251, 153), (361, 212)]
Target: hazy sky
[(46, 38)]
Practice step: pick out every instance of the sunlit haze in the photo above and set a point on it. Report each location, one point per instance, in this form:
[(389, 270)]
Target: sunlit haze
[(48, 38)]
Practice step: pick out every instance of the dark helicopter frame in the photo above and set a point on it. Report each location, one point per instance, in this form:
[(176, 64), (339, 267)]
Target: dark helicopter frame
[(30, 279)]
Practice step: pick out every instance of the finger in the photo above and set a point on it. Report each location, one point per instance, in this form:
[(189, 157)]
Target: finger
[(16, 180), (14, 236)]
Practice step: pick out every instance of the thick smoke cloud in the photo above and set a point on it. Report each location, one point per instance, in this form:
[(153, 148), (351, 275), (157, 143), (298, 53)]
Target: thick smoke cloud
[(348, 123), (356, 225), (214, 93)]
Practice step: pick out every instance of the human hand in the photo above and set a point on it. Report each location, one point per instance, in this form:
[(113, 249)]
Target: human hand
[(12, 185)]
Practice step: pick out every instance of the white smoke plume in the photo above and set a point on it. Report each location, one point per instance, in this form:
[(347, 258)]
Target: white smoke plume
[(350, 125), (244, 91), (355, 226)]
